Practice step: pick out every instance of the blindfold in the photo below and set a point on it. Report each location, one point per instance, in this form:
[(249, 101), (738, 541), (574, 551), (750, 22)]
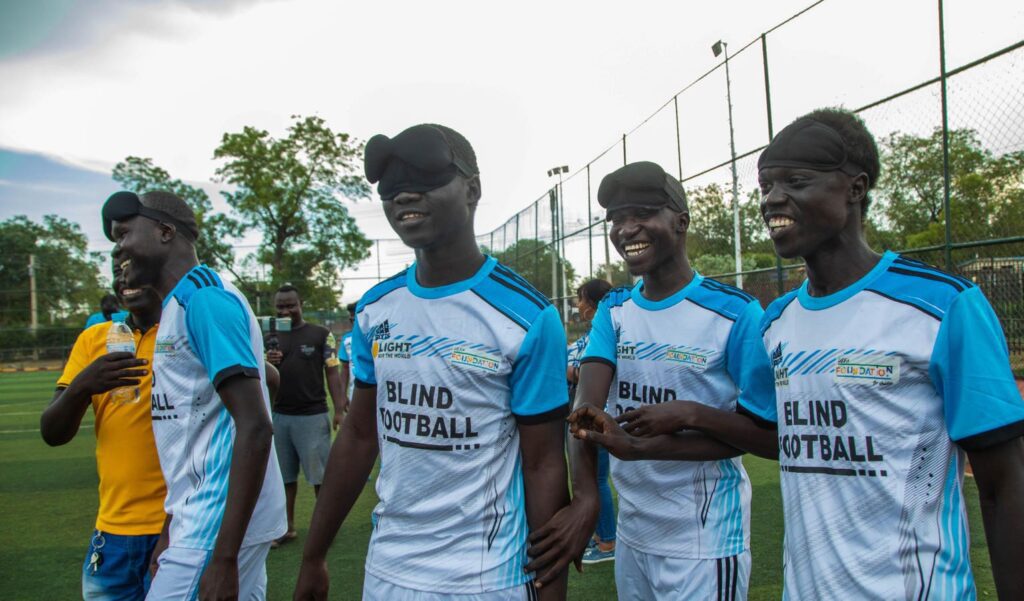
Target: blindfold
[(417, 160), (125, 205), (808, 144), (642, 184)]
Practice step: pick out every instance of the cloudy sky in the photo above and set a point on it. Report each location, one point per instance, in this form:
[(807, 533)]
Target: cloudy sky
[(531, 84)]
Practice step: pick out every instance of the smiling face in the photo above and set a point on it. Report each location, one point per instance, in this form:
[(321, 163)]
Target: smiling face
[(806, 210), (134, 300), (142, 247), (288, 304), (647, 238), (428, 219)]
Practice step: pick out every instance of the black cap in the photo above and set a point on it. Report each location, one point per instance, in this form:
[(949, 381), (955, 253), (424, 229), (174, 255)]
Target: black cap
[(158, 206), (641, 184), (808, 144)]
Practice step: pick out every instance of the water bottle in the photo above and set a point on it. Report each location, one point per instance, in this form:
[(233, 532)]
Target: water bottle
[(120, 339)]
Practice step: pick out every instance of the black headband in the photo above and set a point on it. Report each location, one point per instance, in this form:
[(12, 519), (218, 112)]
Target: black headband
[(641, 184), (125, 205), (419, 159), (808, 144)]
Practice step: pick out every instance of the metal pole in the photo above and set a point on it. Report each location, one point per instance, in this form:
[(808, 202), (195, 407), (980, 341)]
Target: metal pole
[(536, 238), (33, 308), (607, 255), (517, 242), (735, 182), (679, 145), (780, 287), (590, 232), (945, 140), (561, 242), (623, 149), (554, 242)]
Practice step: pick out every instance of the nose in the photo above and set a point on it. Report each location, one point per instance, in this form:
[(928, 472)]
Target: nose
[(774, 197), (407, 197)]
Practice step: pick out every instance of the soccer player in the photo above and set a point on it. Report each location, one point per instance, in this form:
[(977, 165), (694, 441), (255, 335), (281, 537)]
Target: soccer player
[(887, 371), (131, 509), (302, 429), (459, 373), (345, 356), (677, 359), (210, 409)]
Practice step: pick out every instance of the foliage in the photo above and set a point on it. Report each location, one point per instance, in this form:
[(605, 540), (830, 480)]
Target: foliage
[(215, 229), (615, 273), (711, 226), (67, 277), (288, 189), (532, 259)]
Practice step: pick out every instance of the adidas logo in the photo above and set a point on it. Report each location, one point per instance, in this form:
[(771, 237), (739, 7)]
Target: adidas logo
[(777, 355), (381, 331)]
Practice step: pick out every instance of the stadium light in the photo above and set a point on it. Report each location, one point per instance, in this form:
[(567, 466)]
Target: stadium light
[(718, 48), (558, 241)]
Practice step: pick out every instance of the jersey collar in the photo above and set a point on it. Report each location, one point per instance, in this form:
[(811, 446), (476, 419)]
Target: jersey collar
[(448, 289), (817, 303), (644, 303)]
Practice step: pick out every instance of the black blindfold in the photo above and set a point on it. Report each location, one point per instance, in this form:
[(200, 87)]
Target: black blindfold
[(417, 160), (808, 144), (641, 184), (125, 205)]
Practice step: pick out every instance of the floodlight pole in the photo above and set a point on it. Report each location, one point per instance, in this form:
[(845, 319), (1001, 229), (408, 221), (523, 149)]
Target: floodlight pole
[(559, 241), (718, 48)]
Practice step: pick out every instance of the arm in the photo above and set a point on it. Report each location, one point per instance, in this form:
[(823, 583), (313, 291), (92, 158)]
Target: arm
[(60, 421), (545, 481), (254, 432), (336, 388), (999, 473), (348, 466), (160, 547), (665, 420), (273, 380)]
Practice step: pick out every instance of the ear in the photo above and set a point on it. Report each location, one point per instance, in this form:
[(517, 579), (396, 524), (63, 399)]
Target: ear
[(859, 188), (167, 231), (682, 222), (473, 189)]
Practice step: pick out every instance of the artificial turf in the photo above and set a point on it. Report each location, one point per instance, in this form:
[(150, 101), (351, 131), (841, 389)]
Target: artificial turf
[(48, 507)]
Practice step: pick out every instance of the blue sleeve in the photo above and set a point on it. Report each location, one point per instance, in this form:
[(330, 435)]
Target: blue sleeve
[(749, 366), (970, 368), (362, 357), (218, 330), (342, 351), (603, 343), (537, 380)]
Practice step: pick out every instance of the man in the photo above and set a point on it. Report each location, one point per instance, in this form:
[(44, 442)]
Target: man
[(345, 354), (677, 360), (131, 489), (302, 429), (459, 369), (110, 310), (210, 410), (887, 371)]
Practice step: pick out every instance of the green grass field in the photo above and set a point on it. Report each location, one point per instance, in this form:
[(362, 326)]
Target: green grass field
[(48, 502)]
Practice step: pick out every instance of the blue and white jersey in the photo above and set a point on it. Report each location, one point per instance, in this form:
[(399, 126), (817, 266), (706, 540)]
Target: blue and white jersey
[(700, 344), (576, 350), (455, 369), (879, 388), (207, 334), (345, 356)]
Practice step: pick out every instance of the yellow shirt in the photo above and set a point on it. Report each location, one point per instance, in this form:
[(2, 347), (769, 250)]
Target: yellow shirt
[(131, 487)]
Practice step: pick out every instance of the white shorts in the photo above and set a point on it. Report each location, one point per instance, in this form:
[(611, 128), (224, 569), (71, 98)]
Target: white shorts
[(375, 589), (180, 569), (642, 577)]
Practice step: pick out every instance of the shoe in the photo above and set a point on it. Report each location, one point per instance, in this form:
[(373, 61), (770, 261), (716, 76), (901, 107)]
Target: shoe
[(596, 555), (287, 538)]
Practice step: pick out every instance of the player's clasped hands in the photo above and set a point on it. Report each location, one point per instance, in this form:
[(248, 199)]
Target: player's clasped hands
[(111, 371), (655, 420)]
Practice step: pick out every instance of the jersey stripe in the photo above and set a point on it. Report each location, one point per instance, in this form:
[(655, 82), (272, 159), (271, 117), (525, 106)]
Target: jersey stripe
[(729, 317), (527, 286), (929, 276), (517, 290), (719, 286), (518, 320), (905, 302)]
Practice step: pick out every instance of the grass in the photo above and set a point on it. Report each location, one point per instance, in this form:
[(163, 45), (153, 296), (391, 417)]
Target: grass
[(48, 496)]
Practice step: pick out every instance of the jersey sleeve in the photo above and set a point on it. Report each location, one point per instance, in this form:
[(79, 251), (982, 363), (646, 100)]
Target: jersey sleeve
[(750, 368), (970, 367), (538, 386), (82, 354), (218, 330), (346, 338), (330, 351), (603, 341), (362, 358)]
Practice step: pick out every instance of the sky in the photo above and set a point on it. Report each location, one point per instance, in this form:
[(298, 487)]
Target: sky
[(531, 84)]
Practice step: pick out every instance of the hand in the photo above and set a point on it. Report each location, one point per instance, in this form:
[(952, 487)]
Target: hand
[(313, 583), (562, 540), (655, 420), (591, 424), (110, 371), (220, 580), (274, 357), (158, 549)]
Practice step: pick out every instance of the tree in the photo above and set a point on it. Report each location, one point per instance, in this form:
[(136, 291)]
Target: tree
[(615, 274), (67, 277), (710, 237), (531, 259), (141, 175), (288, 188)]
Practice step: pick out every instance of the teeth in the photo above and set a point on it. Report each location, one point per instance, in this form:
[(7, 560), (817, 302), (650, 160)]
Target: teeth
[(409, 216), (779, 222), (635, 248), (130, 291)]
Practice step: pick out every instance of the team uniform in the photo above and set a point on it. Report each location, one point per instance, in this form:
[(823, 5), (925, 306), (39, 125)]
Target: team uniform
[(345, 356), (683, 526), (207, 334), (456, 368), (880, 388), (131, 488)]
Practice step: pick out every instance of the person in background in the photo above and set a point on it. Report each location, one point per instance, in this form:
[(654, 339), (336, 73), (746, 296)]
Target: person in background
[(131, 508), (345, 353), (602, 547), (305, 357), (110, 310)]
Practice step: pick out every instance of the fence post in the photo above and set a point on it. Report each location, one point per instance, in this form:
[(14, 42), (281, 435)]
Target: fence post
[(780, 288), (517, 242), (623, 149), (679, 145), (552, 198), (945, 141), (590, 229)]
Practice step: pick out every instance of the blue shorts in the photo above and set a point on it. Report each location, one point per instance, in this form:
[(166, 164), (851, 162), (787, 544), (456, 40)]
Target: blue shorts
[(124, 572)]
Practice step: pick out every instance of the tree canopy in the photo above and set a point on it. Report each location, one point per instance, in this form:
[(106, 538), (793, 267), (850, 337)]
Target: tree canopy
[(531, 259)]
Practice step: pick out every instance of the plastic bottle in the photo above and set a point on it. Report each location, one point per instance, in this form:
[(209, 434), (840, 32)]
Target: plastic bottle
[(120, 339)]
